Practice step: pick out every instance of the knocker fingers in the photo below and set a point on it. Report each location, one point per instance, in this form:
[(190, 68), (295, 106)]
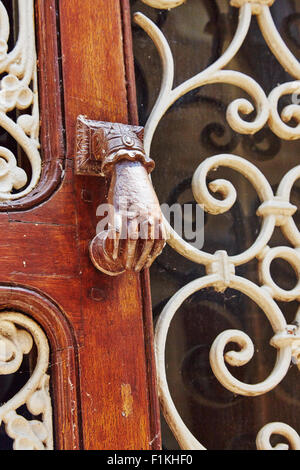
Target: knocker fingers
[(147, 232), (159, 244), (153, 246), (135, 242), (131, 244), (116, 232)]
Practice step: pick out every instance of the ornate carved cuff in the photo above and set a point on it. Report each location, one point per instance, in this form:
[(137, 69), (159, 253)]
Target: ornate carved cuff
[(100, 145)]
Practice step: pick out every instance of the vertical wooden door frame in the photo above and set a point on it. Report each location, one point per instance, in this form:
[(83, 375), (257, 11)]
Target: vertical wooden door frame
[(119, 405)]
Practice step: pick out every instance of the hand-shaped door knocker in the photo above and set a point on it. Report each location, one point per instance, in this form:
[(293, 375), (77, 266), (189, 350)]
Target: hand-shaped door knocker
[(135, 235)]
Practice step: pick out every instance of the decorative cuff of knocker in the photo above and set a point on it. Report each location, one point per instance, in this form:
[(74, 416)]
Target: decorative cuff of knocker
[(100, 145)]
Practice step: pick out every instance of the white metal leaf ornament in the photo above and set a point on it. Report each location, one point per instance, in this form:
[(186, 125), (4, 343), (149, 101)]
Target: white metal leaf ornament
[(18, 334), (11, 176), (19, 91)]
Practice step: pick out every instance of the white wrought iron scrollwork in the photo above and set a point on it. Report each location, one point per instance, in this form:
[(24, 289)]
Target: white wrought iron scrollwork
[(19, 91), (18, 333), (264, 435), (275, 210)]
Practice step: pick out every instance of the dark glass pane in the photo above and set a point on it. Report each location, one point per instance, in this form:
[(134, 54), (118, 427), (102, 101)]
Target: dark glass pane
[(192, 130)]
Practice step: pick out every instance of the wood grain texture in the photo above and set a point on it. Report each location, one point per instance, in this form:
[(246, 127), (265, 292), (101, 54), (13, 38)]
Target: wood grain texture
[(113, 357)]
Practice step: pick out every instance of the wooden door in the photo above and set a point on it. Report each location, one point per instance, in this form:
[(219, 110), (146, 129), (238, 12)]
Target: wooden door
[(98, 329)]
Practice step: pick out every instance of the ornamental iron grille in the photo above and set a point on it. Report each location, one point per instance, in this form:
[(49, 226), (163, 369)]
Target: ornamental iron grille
[(26, 416), (19, 107), (275, 211)]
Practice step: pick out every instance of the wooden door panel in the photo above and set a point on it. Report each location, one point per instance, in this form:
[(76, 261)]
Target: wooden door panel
[(114, 402)]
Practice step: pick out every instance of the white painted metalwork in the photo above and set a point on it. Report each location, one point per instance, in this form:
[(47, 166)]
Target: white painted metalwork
[(263, 437), (19, 90), (18, 333), (275, 210), (164, 4)]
